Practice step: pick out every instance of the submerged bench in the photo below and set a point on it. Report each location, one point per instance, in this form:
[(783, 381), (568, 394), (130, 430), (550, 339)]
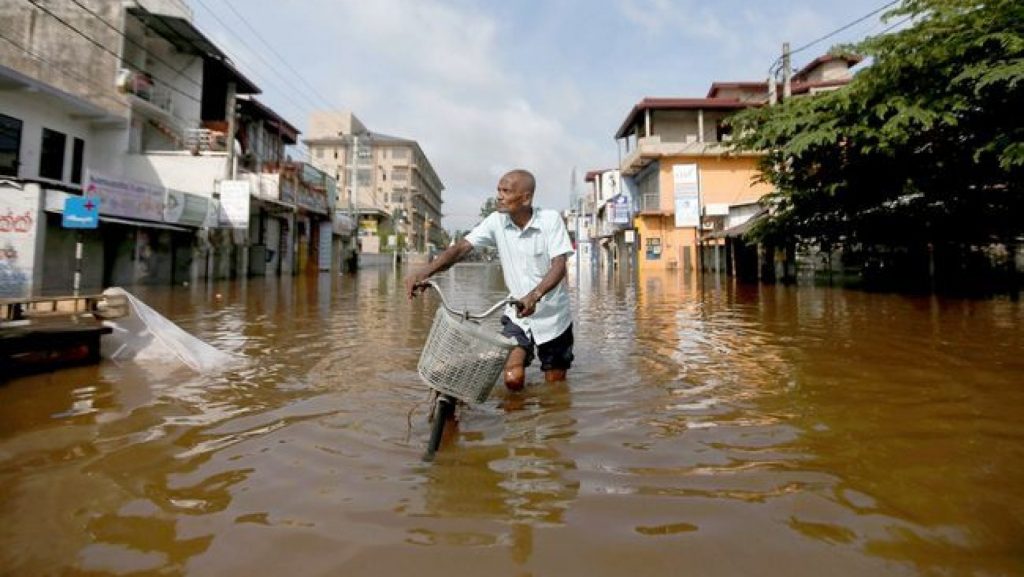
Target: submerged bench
[(39, 334), (33, 348)]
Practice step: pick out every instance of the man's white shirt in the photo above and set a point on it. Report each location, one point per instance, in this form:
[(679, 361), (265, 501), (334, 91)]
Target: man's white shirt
[(525, 258)]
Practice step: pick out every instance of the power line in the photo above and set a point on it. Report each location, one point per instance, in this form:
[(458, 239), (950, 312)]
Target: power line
[(129, 39), (274, 52), (246, 44), (70, 72), (285, 93), (105, 49), (326, 102), (772, 70)]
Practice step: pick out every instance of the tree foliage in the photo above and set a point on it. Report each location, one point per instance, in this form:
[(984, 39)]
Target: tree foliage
[(490, 205), (925, 145)]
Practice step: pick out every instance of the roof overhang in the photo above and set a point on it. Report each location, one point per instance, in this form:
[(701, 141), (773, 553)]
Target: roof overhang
[(653, 104), (77, 107), (188, 39)]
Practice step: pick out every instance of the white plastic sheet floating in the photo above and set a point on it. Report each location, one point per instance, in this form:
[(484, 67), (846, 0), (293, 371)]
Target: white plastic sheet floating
[(145, 335)]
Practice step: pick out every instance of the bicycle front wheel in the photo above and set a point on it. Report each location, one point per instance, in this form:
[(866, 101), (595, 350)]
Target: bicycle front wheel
[(443, 412)]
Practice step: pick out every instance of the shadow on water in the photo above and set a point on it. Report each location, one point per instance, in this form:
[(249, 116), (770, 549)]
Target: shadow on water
[(707, 428)]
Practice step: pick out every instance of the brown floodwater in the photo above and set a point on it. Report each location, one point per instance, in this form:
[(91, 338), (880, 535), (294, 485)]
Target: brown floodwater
[(705, 430)]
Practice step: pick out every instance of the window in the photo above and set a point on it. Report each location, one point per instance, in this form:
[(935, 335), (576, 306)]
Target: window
[(400, 174), (10, 145), (400, 153), (365, 176), (77, 156), (319, 152), (51, 155)]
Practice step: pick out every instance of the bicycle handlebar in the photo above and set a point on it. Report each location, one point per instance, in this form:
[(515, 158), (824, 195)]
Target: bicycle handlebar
[(466, 314)]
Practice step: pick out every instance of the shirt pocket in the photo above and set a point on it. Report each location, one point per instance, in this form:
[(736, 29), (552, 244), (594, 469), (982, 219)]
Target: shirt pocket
[(539, 259)]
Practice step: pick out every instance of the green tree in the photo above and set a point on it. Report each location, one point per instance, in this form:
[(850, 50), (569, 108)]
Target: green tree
[(490, 205), (924, 146)]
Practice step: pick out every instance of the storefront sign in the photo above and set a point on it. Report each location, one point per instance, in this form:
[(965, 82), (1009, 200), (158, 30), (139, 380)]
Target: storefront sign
[(81, 212), (686, 192), (19, 214), (618, 208), (120, 197), (185, 208), (234, 204)]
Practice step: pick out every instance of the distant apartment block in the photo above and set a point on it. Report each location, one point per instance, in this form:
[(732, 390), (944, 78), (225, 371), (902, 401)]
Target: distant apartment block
[(396, 192)]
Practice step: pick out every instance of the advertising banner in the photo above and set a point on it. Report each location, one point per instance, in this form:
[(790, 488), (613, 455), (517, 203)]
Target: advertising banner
[(185, 208), (618, 208), (686, 193), (125, 198), (234, 204)]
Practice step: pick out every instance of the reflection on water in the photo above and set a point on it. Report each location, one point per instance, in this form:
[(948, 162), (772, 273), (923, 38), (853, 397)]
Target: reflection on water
[(707, 429)]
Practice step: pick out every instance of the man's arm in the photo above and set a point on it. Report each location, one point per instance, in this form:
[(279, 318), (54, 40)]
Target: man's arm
[(554, 276), (441, 262)]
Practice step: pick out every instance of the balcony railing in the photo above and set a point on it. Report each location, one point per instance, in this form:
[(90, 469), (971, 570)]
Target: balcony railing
[(144, 87)]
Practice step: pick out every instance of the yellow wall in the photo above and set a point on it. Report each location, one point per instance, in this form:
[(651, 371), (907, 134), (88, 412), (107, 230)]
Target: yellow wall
[(723, 180)]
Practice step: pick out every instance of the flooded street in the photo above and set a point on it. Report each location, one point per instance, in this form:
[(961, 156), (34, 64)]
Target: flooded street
[(715, 430)]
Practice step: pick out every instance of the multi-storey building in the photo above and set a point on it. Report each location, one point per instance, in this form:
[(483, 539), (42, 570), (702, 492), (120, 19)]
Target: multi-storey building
[(131, 105), (687, 183), (396, 193)]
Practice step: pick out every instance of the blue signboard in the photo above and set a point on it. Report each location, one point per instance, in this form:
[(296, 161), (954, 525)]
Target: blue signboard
[(81, 212)]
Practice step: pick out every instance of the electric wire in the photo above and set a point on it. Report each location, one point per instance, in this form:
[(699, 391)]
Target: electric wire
[(99, 45), (329, 108), (102, 90), (777, 64), (129, 39)]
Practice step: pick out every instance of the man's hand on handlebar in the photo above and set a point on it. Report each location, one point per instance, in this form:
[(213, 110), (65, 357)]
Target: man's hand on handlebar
[(415, 283), (527, 305)]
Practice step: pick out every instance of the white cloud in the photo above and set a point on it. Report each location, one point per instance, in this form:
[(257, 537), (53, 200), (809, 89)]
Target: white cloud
[(485, 87)]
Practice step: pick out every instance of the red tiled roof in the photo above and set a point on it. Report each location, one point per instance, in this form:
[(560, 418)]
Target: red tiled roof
[(851, 60), (680, 104), (718, 86)]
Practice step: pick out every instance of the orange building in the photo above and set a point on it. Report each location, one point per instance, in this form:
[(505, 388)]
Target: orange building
[(685, 182)]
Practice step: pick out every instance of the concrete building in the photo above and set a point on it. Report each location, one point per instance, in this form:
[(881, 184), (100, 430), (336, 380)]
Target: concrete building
[(131, 105), (397, 195), (690, 188)]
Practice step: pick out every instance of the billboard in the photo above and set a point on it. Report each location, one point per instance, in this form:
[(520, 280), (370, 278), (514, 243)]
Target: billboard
[(686, 194)]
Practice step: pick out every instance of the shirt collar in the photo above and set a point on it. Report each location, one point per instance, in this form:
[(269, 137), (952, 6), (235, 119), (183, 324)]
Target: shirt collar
[(507, 220)]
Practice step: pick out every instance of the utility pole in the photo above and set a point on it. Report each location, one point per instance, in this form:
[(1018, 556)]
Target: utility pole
[(229, 170), (787, 89), (353, 181), (575, 196)]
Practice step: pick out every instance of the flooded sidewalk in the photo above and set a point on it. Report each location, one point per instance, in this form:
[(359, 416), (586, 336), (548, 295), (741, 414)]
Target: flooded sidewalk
[(707, 428)]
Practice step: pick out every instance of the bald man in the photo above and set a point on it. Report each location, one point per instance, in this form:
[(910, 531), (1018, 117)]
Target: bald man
[(533, 246)]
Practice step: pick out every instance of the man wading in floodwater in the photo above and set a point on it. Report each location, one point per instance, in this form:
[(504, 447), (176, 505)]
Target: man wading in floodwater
[(533, 246)]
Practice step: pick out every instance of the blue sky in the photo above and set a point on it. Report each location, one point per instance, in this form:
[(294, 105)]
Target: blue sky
[(486, 86)]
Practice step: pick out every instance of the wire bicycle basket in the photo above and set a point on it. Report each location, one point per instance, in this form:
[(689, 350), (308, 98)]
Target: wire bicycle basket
[(461, 358)]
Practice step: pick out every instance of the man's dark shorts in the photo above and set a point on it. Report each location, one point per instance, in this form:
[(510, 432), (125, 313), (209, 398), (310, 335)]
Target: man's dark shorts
[(554, 354)]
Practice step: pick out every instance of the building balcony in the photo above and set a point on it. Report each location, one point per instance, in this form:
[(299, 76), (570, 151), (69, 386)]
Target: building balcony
[(654, 147)]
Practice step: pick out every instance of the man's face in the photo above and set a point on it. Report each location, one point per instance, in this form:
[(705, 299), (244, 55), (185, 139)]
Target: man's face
[(511, 194)]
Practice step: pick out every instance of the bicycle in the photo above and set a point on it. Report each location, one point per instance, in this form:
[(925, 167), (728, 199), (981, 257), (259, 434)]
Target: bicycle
[(461, 361)]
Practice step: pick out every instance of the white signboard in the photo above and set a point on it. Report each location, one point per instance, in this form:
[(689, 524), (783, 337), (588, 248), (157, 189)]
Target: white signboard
[(686, 193), (120, 197), (185, 208), (19, 214), (234, 204), (326, 246)]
